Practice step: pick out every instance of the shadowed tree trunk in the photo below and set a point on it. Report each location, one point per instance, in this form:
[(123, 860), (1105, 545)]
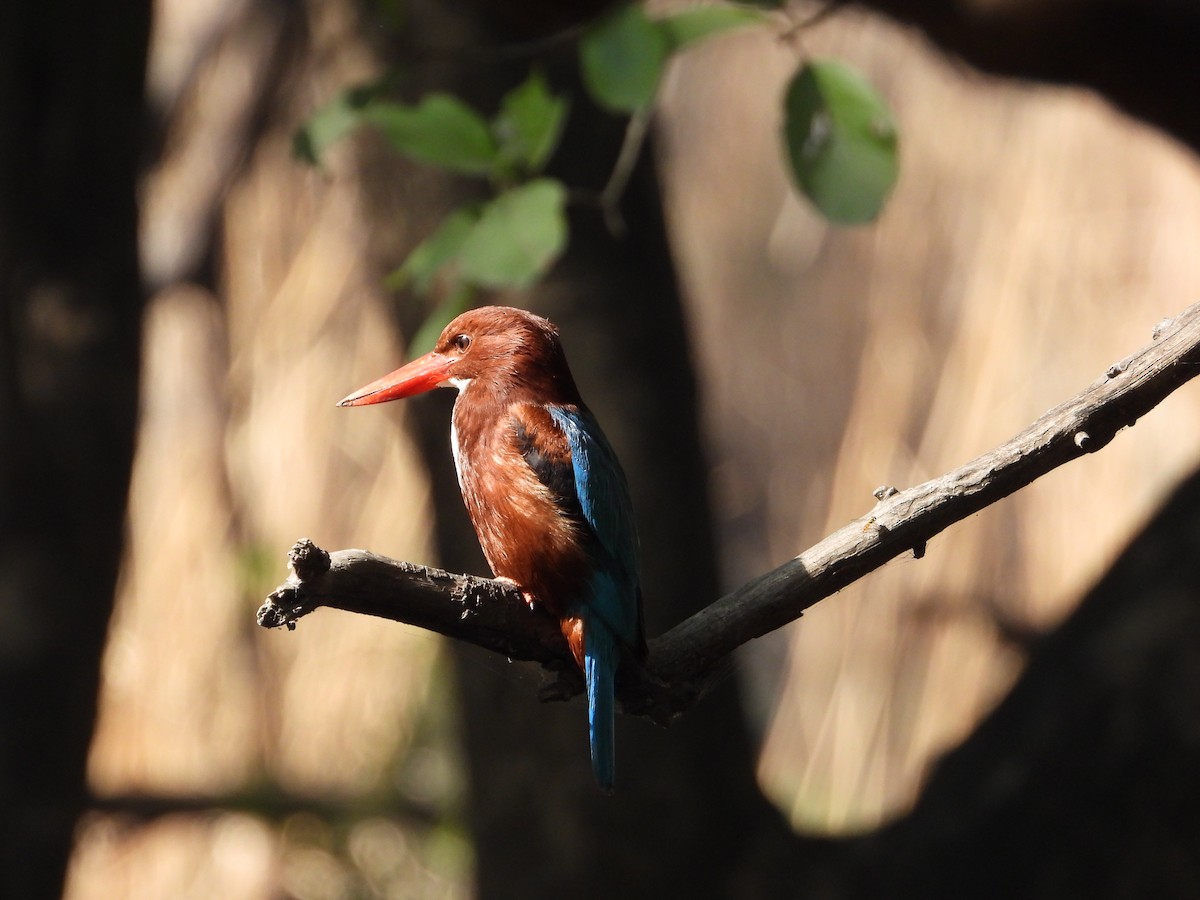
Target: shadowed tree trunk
[(687, 810), (70, 113)]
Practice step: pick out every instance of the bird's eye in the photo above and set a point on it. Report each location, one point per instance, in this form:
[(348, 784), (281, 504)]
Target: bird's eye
[(461, 342)]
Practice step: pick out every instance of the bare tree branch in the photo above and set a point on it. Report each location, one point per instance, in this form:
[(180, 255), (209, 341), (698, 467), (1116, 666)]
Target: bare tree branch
[(682, 662), (481, 611)]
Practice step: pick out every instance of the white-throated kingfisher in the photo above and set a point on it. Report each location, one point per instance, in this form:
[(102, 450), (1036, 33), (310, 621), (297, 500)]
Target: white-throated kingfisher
[(543, 489)]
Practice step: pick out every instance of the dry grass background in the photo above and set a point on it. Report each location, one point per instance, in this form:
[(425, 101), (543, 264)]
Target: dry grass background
[(1035, 238), (241, 452)]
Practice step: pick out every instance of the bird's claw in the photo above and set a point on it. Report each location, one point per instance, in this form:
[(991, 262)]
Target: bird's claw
[(529, 599)]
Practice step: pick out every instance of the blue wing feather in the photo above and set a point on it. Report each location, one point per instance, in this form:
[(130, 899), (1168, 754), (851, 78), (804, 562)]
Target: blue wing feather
[(610, 611), (603, 496)]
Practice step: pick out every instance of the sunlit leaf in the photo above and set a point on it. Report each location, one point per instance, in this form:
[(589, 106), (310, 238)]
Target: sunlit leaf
[(841, 141), (437, 250), (518, 236), (696, 24), (331, 123), (530, 123), (441, 130), (621, 56)]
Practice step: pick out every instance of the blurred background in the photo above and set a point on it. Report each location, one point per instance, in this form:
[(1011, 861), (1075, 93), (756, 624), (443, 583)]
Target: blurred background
[(1035, 237)]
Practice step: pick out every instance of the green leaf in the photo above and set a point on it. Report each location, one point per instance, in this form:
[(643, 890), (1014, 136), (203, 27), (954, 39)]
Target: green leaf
[(441, 130), (439, 317), (841, 141), (439, 249), (621, 56), (331, 123), (698, 23), (530, 124), (518, 235)]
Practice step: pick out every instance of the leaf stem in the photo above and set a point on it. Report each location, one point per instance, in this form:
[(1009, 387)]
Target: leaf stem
[(631, 149)]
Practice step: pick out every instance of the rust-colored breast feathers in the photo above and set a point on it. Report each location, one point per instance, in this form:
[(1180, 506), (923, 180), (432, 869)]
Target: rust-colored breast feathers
[(518, 484)]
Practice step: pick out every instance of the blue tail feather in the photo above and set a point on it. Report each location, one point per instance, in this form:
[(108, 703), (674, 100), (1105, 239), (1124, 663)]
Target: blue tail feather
[(601, 655)]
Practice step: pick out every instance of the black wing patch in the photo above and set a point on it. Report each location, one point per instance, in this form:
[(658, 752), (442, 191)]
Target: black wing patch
[(546, 452)]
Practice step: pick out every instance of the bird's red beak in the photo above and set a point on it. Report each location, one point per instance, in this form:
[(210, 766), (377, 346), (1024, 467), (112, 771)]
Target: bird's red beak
[(421, 375)]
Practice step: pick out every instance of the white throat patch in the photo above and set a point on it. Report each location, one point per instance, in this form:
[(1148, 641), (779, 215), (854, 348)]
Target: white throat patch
[(458, 460)]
